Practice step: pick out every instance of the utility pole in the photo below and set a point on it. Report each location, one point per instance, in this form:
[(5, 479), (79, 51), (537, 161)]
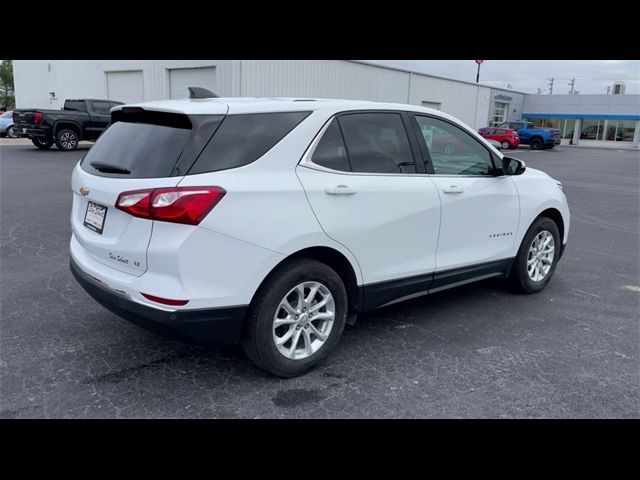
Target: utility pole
[(572, 83), (550, 85)]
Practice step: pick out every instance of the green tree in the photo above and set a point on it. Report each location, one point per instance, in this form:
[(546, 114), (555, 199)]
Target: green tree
[(7, 98)]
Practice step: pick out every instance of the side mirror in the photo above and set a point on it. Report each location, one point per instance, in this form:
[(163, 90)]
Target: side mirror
[(513, 166)]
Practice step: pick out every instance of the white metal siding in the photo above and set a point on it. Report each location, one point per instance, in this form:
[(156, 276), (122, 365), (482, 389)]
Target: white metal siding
[(127, 87), (181, 78), (322, 78)]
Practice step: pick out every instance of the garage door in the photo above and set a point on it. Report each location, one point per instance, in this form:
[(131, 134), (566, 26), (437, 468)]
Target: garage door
[(181, 78), (125, 87)]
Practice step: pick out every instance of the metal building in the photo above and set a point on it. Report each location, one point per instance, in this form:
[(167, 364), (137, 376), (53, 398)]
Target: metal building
[(47, 83)]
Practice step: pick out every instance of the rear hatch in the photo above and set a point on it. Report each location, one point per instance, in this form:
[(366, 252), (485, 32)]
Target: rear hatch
[(140, 150)]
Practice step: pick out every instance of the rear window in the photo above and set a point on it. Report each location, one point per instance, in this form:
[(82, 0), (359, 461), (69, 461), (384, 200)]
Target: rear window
[(141, 149), (242, 139), (101, 108), (144, 144)]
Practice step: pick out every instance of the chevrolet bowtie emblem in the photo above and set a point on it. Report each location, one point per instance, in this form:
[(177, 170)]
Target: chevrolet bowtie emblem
[(84, 191)]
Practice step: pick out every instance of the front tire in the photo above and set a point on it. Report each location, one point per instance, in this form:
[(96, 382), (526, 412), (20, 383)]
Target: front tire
[(42, 144), (537, 257), (296, 318), (12, 132), (67, 139), (449, 149)]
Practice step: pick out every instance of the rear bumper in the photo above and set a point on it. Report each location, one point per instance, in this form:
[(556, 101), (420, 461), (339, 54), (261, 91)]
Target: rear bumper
[(32, 131), (216, 326)]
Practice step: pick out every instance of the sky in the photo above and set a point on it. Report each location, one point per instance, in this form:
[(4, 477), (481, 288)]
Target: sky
[(592, 76)]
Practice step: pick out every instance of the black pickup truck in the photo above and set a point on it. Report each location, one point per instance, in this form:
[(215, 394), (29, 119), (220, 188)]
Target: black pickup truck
[(78, 120)]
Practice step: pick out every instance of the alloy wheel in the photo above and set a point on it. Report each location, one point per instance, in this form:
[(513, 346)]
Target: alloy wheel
[(68, 140), (540, 256), (303, 320)]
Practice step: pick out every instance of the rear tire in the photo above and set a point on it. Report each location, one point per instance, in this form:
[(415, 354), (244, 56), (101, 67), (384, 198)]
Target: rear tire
[(262, 333), (42, 144), (67, 139), (449, 149), (536, 144), (525, 279), (506, 145)]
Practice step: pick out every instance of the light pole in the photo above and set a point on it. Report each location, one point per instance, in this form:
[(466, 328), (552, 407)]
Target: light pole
[(479, 62)]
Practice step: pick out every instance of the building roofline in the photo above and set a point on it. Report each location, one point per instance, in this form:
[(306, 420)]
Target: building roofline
[(415, 72)]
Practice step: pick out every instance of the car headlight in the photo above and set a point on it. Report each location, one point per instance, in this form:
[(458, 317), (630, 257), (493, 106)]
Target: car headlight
[(560, 186)]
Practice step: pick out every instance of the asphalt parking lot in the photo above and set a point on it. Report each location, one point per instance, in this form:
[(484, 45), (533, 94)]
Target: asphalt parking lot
[(571, 351)]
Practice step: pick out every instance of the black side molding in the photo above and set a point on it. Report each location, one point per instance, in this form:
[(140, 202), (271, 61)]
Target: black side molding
[(199, 92), (380, 294)]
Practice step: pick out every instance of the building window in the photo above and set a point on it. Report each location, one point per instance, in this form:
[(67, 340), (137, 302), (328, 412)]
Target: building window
[(499, 113), (569, 128), (592, 129), (626, 129)]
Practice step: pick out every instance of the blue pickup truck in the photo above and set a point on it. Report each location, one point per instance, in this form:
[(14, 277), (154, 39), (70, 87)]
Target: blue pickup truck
[(536, 138)]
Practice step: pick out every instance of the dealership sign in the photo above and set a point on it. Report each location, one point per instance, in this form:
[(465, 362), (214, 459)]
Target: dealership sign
[(502, 96)]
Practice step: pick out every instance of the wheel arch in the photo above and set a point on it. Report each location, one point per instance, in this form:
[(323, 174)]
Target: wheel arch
[(67, 124), (334, 259), (555, 215)]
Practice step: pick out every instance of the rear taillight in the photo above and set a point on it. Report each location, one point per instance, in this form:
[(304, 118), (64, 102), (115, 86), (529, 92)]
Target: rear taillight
[(37, 118), (187, 205)]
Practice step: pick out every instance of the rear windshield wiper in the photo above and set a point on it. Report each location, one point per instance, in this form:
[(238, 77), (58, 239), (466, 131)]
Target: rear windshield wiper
[(109, 168)]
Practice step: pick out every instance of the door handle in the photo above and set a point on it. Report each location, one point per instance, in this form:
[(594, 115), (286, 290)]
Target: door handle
[(339, 190), (452, 189)]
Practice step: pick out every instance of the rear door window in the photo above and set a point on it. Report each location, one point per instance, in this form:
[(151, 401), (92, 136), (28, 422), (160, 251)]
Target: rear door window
[(242, 139), (377, 143), (75, 105)]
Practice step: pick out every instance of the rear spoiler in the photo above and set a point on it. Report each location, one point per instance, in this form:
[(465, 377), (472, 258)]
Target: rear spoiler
[(199, 92)]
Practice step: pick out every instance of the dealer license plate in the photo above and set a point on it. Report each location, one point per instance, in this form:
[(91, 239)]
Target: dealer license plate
[(94, 218)]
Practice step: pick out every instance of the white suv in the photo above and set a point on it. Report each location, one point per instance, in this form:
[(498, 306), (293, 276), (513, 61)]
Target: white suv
[(272, 222)]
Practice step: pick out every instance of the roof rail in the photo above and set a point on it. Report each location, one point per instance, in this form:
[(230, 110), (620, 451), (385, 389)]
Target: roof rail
[(199, 92)]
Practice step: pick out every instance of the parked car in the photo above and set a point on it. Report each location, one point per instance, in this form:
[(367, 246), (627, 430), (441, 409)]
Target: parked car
[(536, 138), (274, 222), (494, 143), (7, 128), (78, 120), (507, 137)]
